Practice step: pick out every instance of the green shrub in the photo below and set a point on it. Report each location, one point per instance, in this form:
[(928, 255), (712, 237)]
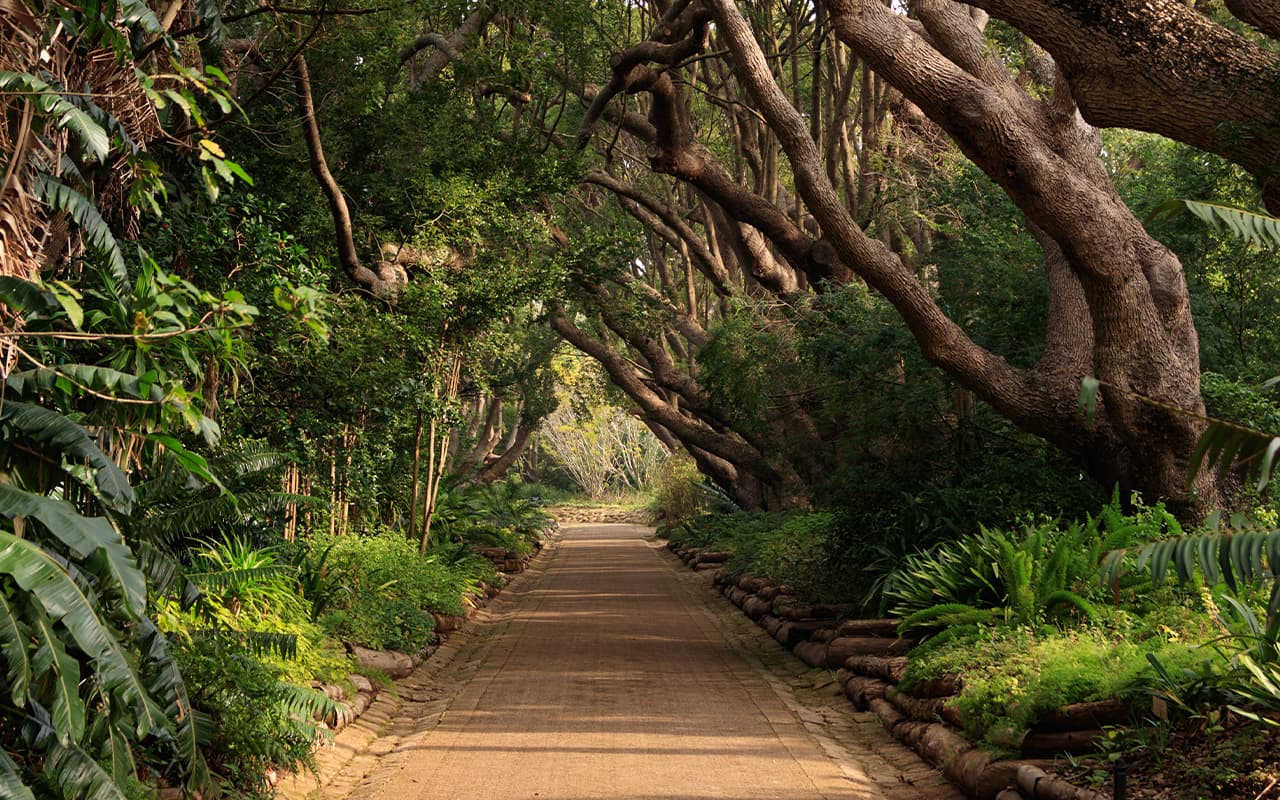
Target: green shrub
[(250, 726), (803, 551), (250, 595), (1038, 570), (383, 591), (676, 496)]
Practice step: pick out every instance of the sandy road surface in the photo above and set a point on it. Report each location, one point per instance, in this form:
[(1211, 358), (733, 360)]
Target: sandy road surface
[(609, 673)]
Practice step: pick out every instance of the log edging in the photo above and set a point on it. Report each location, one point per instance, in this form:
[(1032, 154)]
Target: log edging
[(870, 659)]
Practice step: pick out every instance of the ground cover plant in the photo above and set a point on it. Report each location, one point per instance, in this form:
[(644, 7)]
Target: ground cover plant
[(1042, 614)]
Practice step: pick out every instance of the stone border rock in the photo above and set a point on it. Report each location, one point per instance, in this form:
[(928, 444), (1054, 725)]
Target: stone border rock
[(869, 657)]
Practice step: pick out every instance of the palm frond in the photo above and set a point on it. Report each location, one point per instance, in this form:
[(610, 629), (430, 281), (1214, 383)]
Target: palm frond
[(63, 112), (1231, 557), (1226, 444), (1248, 226), (1222, 446), (263, 643), (220, 580), (30, 384)]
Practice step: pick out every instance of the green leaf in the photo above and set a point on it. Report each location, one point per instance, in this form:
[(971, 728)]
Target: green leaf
[(28, 384), (90, 539), (137, 12), (73, 773), (1088, 402), (69, 303), (94, 140), (123, 766), (194, 463), (52, 659), (165, 682), (13, 648), (11, 785), (26, 297), (38, 573), (1260, 229), (94, 228), (55, 431)]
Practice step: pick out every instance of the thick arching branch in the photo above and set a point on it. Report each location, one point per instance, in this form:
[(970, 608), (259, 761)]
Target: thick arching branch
[(387, 281), (448, 48), (1161, 66)]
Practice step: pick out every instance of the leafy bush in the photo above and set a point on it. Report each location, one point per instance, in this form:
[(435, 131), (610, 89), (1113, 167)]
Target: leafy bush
[(498, 515), (803, 551), (389, 590), (255, 721), (676, 497)]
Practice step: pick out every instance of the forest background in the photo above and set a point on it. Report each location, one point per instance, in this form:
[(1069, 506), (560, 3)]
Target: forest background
[(279, 273)]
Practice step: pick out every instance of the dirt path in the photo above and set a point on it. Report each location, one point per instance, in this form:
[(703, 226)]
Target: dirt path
[(607, 672)]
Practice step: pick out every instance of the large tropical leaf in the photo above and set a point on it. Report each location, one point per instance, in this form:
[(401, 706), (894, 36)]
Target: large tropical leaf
[(31, 384), (11, 785), (53, 588), (61, 672), (27, 297), (123, 765), (165, 683), (56, 432), (75, 775), (90, 539), (13, 649)]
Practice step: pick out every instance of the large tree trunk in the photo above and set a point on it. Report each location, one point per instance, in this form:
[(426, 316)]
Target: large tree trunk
[(1119, 305)]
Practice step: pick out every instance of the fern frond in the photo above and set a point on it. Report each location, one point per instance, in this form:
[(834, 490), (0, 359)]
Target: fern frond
[(302, 703), (1073, 600), (1230, 557), (230, 578), (930, 616)]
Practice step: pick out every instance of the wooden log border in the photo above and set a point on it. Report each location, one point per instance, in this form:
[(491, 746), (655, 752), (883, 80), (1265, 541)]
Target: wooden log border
[(869, 659)]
